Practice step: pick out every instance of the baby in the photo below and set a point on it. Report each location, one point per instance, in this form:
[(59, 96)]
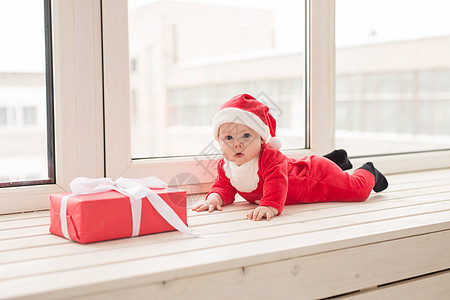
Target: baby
[(253, 166)]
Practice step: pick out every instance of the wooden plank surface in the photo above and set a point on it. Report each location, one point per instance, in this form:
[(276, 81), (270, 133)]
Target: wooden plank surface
[(304, 278), (378, 211), (435, 286), (414, 205)]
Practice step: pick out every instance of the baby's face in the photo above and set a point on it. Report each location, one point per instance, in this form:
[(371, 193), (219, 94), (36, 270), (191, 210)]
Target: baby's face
[(239, 143)]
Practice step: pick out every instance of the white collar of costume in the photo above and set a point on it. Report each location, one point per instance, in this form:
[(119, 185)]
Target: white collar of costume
[(244, 177)]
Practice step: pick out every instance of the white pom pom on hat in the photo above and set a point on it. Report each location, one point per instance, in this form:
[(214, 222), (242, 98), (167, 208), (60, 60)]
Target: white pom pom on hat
[(274, 143), (246, 110)]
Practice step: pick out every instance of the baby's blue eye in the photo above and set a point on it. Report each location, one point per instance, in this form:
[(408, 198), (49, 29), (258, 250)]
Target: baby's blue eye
[(228, 137), (246, 135)]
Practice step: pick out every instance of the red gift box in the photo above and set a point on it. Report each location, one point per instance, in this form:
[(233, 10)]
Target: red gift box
[(107, 215)]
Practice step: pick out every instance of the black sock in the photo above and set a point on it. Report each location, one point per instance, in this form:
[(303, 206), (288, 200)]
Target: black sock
[(340, 158), (381, 182)]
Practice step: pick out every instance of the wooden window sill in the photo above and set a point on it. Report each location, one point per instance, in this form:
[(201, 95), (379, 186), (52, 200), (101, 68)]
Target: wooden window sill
[(395, 241)]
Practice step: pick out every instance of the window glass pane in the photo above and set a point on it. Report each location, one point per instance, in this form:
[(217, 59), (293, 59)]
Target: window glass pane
[(188, 57), (24, 154), (401, 56)]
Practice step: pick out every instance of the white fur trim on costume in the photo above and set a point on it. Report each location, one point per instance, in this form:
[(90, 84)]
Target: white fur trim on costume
[(274, 143), (240, 116)]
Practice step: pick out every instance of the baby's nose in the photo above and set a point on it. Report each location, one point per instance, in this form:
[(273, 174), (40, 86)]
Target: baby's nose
[(237, 144)]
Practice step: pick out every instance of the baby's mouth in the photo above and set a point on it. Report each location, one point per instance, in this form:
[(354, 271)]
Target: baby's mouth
[(238, 155)]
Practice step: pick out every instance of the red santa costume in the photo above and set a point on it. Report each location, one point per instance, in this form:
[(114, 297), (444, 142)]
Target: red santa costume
[(272, 179)]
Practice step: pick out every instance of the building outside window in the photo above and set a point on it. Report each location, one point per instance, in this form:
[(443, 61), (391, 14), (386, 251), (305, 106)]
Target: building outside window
[(195, 56), (392, 76)]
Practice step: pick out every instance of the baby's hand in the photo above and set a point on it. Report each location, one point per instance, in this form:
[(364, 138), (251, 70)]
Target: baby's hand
[(214, 201), (262, 211)]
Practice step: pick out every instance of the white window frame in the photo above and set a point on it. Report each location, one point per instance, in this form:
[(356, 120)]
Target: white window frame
[(78, 104), (84, 147)]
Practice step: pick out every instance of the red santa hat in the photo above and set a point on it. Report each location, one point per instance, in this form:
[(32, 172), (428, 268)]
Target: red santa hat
[(246, 110)]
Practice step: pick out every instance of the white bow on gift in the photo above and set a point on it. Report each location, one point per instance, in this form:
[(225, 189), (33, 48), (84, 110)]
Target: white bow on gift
[(135, 189)]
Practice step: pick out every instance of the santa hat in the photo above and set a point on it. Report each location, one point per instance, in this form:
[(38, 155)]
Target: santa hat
[(246, 110)]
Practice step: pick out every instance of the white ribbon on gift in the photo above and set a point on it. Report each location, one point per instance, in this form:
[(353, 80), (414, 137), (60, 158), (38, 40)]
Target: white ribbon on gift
[(135, 189)]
